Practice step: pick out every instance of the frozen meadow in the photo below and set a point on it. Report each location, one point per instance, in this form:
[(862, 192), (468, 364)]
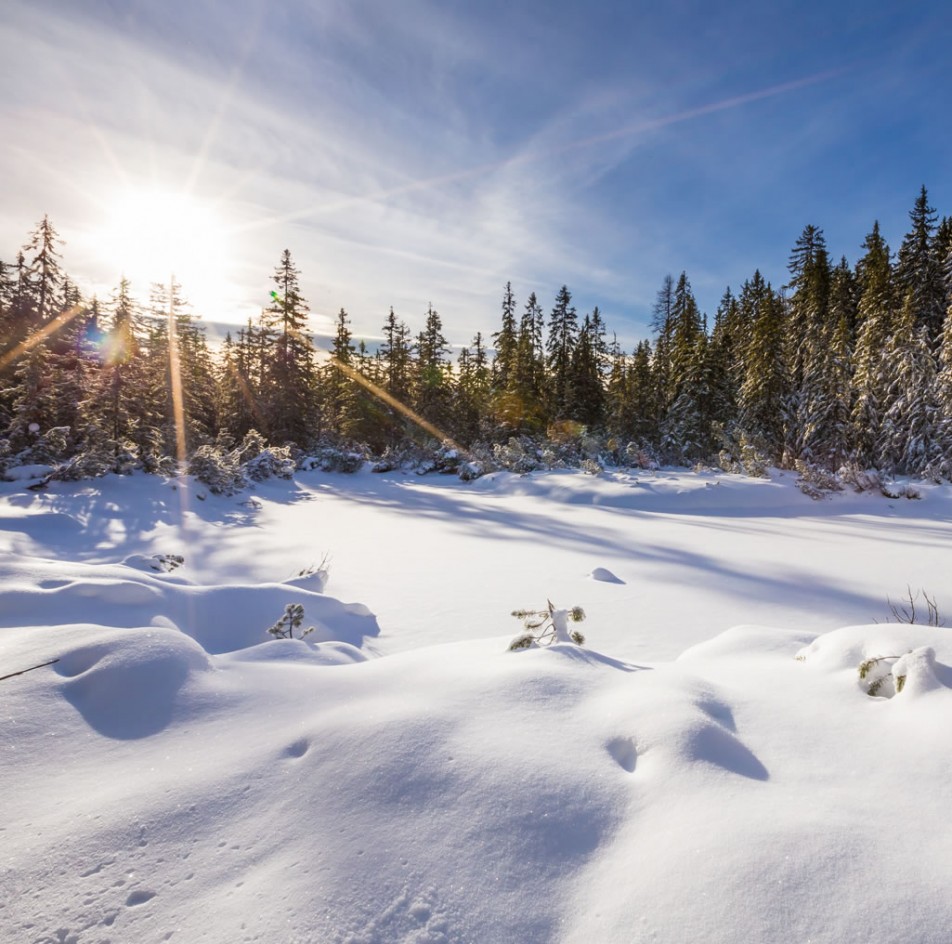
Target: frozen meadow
[(709, 767)]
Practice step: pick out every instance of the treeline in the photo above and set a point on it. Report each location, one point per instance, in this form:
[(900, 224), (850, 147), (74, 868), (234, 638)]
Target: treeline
[(841, 366)]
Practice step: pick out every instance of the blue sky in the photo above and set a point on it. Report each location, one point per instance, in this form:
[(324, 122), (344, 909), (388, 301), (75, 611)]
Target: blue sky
[(420, 152)]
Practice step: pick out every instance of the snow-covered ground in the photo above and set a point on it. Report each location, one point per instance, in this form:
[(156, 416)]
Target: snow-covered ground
[(709, 767)]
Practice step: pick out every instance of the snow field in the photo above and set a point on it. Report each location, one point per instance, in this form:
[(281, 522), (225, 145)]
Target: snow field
[(399, 776)]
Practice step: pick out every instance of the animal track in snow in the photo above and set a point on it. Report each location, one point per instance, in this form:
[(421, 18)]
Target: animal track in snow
[(623, 751), (299, 748)]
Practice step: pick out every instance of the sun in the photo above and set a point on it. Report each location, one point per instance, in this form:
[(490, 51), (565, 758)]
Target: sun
[(151, 235)]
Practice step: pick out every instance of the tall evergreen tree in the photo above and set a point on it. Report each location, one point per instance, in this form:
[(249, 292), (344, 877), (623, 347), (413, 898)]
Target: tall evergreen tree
[(874, 319), (506, 342), (808, 336), (473, 390), (525, 409), (289, 382), (763, 393), (919, 269), (432, 390), (587, 389), (45, 269), (563, 334), (908, 436), (342, 396)]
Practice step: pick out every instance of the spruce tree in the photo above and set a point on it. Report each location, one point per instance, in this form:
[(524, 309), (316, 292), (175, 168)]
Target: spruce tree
[(587, 390), (908, 438), (506, 342), (45, 270), (875, 319), (289, 381), (341, 395), (808, 337), (525, 411), (560, 347), (763, 394), (473, 391), (431, 383), (919, 269)]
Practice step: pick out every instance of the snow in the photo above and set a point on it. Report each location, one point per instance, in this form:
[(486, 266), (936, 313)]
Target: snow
[(709, 767)]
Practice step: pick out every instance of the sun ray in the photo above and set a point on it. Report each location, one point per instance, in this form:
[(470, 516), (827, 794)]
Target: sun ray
[(400, 407), (27, 344)]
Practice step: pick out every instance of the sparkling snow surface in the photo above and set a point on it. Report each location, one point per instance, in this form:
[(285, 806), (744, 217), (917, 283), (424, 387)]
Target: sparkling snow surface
[(708, 768)]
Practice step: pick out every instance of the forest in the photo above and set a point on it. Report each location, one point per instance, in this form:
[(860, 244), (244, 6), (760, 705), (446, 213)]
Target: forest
[(843, 367)]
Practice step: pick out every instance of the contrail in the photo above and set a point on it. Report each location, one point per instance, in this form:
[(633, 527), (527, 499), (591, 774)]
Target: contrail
[(532, 156)]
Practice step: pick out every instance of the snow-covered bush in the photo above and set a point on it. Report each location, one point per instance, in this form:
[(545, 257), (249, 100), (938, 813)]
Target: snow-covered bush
[(227, 471), (219, 470), (334, 459), (519, 455), (860, 479), (815, 481), (88, 464), (900, 490), (49, 448), (741, 453), (638, 455), (473, 469), (275, 461), (544, 627)]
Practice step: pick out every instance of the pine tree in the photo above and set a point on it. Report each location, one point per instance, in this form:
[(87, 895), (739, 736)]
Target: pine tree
[(874, 319), (763, 393), (907, 442), (563, 334), (919, 270), (289, 381), (683, 331), (662, 321), (808, 336), (45, 270), (396, 356), (506, 342), (587, 389), (726, 352), (523, 409), (178, 380), (432, 390), (112, 412), (473, 391), (943, 401), (341, 394)]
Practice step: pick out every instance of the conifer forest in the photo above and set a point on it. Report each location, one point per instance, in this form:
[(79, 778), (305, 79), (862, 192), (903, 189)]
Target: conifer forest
[(844, 366)]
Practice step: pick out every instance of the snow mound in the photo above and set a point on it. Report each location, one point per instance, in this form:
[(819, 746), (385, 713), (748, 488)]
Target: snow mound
[(155, 563), (125, 684), (220, 618), (885, 659), (299, 651), (605, 575), (313, 580)]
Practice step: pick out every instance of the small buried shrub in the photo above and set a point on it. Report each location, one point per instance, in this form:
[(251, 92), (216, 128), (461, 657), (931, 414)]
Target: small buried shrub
[(544, 627), (292, 620)]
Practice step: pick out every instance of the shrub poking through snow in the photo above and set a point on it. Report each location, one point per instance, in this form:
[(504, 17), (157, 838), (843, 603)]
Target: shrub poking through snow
[(292, 620), (878, 675), (906, 611), (544, 627)]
